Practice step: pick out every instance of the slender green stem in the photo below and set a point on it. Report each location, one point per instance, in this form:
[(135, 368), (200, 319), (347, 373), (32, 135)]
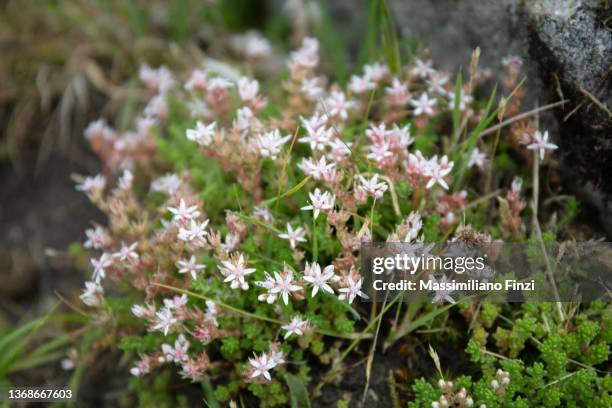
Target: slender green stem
[(258, 222), (294, 190), (366, 330), (250, 315), (315, 243), (372, 218), (218, 303)]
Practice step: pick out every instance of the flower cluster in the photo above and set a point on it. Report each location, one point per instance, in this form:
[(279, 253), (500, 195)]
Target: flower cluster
[(260, 365), (502, 379), (452, 398), (257, 214)]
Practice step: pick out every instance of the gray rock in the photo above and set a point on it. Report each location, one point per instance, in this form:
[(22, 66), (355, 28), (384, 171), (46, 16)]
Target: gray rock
[(451, 29), (573, 48)]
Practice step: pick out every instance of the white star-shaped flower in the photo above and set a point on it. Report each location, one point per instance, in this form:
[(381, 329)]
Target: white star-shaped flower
[(195, 233), (320, 202), (317, 170), (100, 265), (97, 238), (436, 171), (165, 321), (477, 158), (247, 89), (235, 271), (127, 252), (376, 71), (269, 144), (202, 134), (296, 326), (190, 266), (183, 212), (311, 87), (352, 290), (93, 295), (261, 366), (178, 353), (541, 143), (293, 235), (422, 69), (373, 187), (424, 105), (284, 285), (360, 85), (319, 279), (317, 137), (336, 105), (92, 185), (441, 292)]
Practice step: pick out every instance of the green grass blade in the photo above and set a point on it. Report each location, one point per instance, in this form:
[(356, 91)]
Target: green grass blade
[(209, 395), (137, 18), (293, 190), (369, 51), (389, 41), (51, 346), (14, 343), (333, 45), (33, 362), (262, 224), (468, 147), (409, 325), (15, 335), (297, 391), (457, 111)]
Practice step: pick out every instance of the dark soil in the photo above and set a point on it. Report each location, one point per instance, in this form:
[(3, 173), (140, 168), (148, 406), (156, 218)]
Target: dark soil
[(403, 363), (39, 211)]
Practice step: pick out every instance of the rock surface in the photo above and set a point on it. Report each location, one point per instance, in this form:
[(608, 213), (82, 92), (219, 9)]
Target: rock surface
[(450, 30), (573, 48)]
